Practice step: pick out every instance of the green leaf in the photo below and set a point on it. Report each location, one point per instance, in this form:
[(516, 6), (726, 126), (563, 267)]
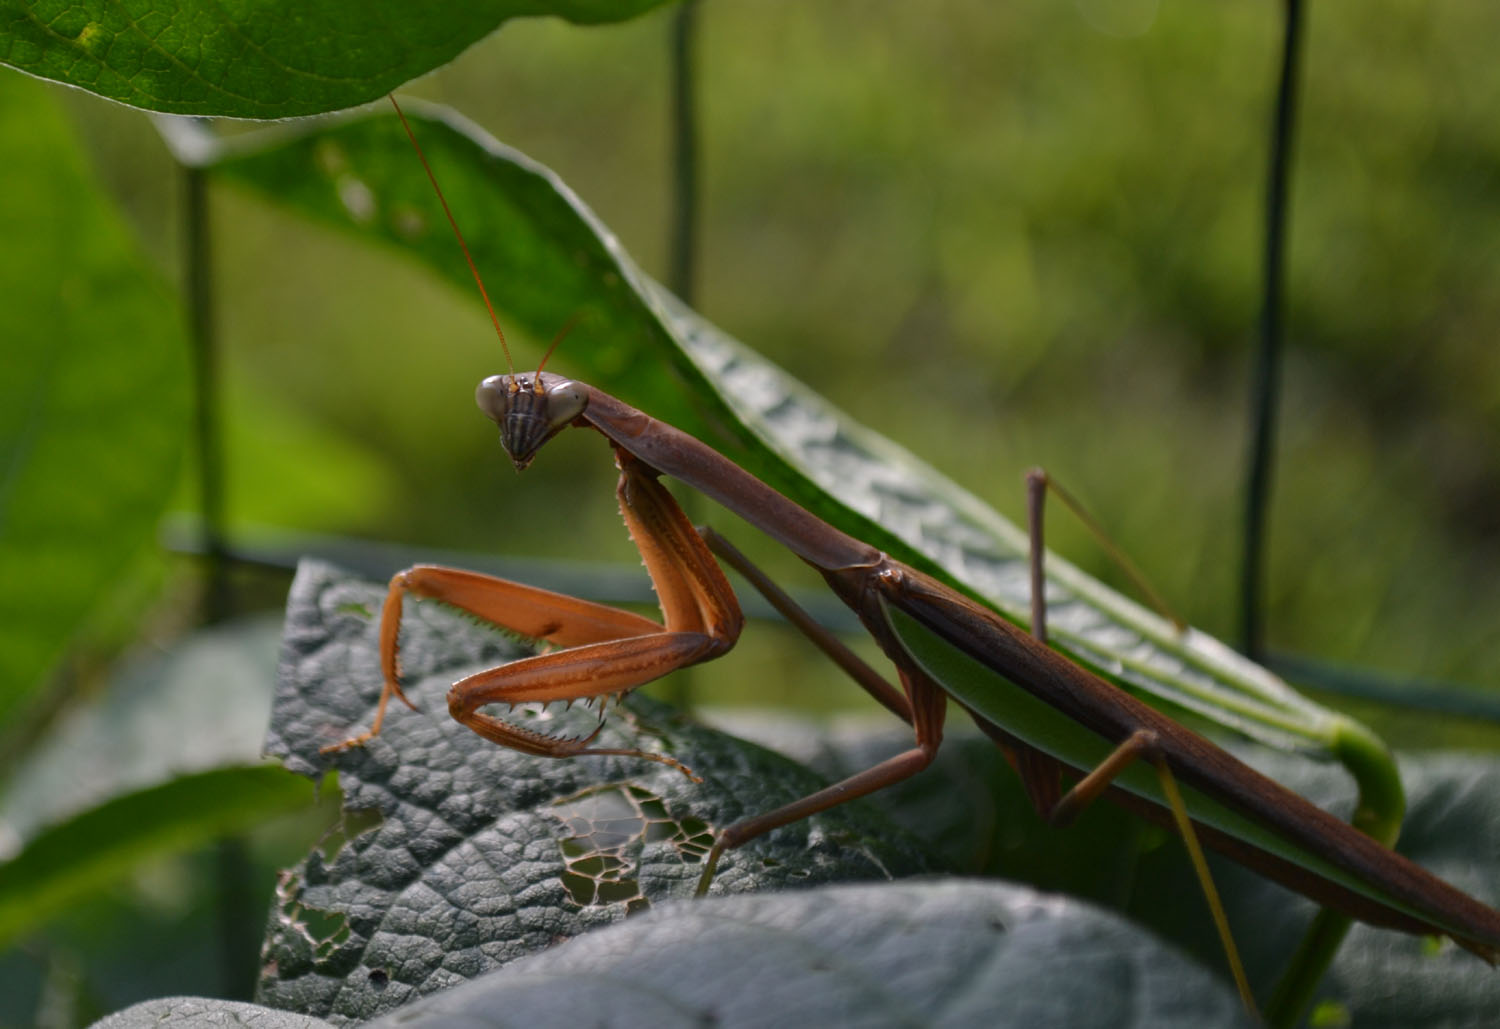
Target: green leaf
[(273, 59), (93, 400), (463, 855), (971, 805), (166, 1012), (1453, 829), (455, 857), (1046, 729), (165, 758), (97, 847), (950, 953), (546, 258), (201, 705)]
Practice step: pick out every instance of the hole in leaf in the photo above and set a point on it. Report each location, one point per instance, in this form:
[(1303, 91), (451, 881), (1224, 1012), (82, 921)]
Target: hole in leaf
[(352, 823), (357, 197), (408, 222), (1329, 1014), (325, 931), (608, 827)]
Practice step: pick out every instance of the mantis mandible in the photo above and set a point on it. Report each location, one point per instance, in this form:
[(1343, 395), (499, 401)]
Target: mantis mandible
[(941, 644)]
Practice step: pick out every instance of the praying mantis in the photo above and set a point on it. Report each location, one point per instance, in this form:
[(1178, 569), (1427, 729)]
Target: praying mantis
[(1048, 714)]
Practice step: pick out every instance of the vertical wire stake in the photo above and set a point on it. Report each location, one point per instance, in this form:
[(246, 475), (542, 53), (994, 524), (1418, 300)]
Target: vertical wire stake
[(197, 260), (682, 243), (1266, 378), (682, 249)]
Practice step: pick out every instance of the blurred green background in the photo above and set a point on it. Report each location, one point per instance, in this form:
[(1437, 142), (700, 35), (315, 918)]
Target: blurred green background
[(1001, 236)]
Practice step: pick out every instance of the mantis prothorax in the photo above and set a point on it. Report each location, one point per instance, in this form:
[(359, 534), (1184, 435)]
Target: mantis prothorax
[(933, 636)]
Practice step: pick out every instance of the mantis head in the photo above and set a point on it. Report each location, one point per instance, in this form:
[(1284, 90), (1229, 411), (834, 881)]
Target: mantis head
[(530, 409)]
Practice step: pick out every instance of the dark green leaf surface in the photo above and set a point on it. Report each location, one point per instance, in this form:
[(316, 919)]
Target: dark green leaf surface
[(201, 705), (972, 807), (101, 844), (950, 953), (546, 259), (93, 397), (274, 59), (1452, 828), (167, 757), (456, 862)]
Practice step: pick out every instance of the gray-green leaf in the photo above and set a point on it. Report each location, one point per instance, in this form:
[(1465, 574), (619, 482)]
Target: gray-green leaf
[(465, 855), (952, 953), (193, 1012)]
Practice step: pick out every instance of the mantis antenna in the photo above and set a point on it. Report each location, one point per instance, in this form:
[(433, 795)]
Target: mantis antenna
[(567, 328), (494, 319)]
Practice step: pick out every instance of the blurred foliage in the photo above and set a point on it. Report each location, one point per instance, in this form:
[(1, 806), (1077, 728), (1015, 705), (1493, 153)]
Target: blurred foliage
[(89, 332), (1066, 219), (1002, 236)]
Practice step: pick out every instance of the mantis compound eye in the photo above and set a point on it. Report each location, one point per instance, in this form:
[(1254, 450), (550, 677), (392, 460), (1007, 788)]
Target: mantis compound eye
[(530, 410)]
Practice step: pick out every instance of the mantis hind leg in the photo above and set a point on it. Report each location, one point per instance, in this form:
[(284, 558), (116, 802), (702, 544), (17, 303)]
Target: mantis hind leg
[(1041, 773), (1142, 746)]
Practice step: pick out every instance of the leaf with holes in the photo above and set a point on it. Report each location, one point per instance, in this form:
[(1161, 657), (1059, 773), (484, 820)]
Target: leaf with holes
[(457, 855)]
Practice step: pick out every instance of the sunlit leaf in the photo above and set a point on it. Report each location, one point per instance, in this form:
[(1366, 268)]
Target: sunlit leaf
[(261, 60), (93, 400)]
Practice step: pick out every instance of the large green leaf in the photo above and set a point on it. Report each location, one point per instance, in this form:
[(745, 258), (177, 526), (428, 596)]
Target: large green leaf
[(947, 953), (971, 805), (459, 855), (273, 59), (93, 399), (950, 953), (547, 258), (166, 1012), (104, 843), (463, 855), (166, 758)]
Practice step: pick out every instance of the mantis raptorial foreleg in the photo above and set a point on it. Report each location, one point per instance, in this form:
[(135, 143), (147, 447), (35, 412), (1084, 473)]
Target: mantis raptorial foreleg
[(604, 651)]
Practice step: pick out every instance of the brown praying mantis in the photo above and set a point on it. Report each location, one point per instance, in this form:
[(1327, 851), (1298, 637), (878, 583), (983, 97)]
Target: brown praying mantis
[(1051, 716)]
